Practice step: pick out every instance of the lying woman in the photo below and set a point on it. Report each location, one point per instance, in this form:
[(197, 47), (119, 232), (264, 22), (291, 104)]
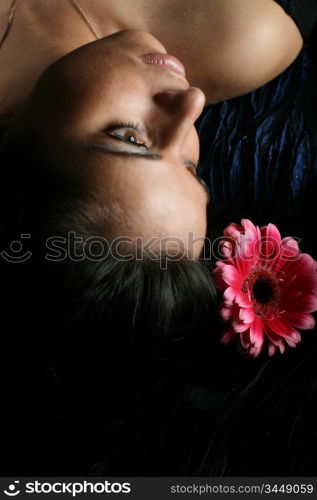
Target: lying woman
[(99, 146), (104, 140)]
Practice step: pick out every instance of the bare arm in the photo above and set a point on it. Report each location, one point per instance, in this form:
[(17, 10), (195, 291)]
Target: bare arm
[(257, 47)]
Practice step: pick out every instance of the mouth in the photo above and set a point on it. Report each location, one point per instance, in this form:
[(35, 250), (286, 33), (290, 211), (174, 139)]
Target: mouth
[(170, 62)]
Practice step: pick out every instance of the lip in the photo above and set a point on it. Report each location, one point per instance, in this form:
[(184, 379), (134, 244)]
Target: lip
[(166, 60)]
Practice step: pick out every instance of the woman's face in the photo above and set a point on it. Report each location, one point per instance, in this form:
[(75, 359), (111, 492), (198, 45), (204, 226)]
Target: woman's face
[(125, 130)]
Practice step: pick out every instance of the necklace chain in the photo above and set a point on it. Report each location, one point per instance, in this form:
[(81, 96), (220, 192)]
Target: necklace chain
[(84, 17), (9, 21), (75, 4)]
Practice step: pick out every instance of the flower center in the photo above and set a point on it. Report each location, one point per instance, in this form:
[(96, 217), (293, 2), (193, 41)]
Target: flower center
[(263, 288)]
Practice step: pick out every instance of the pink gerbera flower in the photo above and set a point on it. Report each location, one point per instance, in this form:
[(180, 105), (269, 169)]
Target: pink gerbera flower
[(270, 288)]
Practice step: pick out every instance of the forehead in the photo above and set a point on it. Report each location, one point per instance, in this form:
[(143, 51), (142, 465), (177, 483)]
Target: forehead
[(159, 194), (148, 163)]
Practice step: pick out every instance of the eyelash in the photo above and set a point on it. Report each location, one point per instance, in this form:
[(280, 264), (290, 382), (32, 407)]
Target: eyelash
[(192, 166), (128, 125), (135, 127), (206, 188)]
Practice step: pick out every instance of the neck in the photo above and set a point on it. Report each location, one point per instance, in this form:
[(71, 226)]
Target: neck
[(44, 31)]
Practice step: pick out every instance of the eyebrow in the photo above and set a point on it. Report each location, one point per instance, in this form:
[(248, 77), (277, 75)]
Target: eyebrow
[(104, 149)]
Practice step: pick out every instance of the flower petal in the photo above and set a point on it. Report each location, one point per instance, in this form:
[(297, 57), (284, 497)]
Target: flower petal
[(270, 244), (256, 332), (233, 231), (242, 299), (302, 304), (228, 337), (289, 334), (273, 337), (232, 276), (279, 327), (282, 347), (303, 264), (243, 265), (217, 274), (225, 311), (272, 349), (289, 252), (305, 283), (298, 320), (247, 315), (230, 294), (239, 327), (245, 339)]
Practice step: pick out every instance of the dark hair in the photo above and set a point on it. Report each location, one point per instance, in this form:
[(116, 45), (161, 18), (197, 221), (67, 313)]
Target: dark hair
[(115, 368), (36, 201), (71, 314)]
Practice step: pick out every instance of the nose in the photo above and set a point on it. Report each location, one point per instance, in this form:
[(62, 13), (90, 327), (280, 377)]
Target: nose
[(181, 109)]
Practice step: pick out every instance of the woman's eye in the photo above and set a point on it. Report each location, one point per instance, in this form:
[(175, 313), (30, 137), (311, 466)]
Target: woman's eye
[(128, 135)]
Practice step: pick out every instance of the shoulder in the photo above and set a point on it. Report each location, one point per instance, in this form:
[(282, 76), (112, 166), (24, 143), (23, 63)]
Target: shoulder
[(254, 42)]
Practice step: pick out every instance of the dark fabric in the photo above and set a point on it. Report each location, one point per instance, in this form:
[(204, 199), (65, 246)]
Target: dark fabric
[(303, 12), (258, 153), (258, 156)]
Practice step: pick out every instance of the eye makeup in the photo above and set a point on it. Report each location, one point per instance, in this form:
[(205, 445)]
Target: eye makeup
[(131, 133), (133, 136)]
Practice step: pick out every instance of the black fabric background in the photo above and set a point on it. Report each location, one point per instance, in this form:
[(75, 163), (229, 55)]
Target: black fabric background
[(304, 13)]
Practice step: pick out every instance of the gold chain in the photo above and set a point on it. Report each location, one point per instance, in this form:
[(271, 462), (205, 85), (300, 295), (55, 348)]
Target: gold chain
[(9, 21), (84, 17)]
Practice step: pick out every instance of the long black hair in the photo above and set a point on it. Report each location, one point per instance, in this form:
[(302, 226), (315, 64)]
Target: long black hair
[(115, 367), (88, 339)]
